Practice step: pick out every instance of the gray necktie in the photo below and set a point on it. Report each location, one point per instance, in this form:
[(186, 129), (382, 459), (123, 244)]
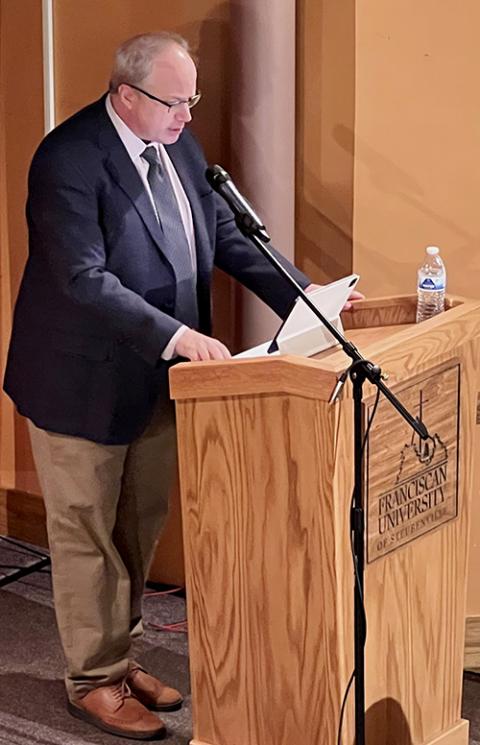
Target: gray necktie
[(176, 244)]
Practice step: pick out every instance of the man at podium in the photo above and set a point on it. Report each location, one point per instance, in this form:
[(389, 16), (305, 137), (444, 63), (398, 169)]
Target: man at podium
[(124, 232)]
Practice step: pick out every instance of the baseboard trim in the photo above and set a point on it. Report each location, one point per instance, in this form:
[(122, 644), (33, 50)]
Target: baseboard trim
[(22, 516), (457, 735), (472, 642)]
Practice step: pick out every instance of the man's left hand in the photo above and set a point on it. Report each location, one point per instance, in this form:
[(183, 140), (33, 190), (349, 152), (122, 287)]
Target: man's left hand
[(354, 295)]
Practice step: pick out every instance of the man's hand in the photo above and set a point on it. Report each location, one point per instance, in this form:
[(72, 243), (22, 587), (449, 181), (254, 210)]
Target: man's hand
[(195, 347), (354, 295)]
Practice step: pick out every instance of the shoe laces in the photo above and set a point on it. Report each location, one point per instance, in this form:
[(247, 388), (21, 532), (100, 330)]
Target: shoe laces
[(121, 691)]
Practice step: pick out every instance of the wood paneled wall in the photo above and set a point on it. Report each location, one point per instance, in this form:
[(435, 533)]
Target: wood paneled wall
[(417, 150), (388, 153), (417, 155), (21, 129), (325, 125), (7, 451)]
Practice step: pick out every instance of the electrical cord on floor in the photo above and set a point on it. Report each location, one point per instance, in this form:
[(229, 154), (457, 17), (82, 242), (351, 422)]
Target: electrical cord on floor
[(179, 627), (157, 593)]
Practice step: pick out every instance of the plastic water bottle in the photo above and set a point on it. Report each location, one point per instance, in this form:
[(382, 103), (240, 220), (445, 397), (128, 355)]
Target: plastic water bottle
[(431, 284)]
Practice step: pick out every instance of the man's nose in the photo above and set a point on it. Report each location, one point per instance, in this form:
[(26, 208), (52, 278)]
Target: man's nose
[(182, 113)]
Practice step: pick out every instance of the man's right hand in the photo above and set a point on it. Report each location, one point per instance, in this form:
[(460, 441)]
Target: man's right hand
[(195, 347)]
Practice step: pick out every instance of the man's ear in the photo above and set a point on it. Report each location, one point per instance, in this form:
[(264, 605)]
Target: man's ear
[(126, 95)]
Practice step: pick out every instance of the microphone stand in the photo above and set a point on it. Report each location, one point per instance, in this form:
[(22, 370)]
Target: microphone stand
[(359, 371)]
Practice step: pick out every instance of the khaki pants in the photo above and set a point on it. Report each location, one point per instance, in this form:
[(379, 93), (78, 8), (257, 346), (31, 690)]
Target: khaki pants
[(105, 507)]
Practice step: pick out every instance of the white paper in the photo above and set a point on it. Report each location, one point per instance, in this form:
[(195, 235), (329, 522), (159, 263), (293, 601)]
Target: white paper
[(302, 332)]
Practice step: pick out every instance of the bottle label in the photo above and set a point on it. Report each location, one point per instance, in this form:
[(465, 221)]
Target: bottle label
[(432, 284)]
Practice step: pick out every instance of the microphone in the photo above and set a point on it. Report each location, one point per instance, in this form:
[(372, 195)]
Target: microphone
[(246, 218)]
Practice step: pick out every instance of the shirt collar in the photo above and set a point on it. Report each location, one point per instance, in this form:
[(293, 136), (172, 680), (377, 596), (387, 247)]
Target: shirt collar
[(133, 144)]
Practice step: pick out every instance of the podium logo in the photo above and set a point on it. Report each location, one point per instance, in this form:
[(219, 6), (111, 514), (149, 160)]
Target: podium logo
[(419, 493), (413, 489)]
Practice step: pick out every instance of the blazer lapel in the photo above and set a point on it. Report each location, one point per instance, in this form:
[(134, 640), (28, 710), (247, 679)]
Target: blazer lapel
[(124, 173), (184, 170), (120, 167)]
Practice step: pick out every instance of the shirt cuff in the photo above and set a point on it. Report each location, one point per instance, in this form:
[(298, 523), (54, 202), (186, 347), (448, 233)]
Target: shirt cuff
[(169, 351)]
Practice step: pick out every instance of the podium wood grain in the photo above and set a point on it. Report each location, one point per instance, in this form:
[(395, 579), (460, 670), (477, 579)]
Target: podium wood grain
[(266, 469)]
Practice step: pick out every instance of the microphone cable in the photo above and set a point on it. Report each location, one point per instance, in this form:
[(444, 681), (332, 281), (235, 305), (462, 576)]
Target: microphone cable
[(357, 577)]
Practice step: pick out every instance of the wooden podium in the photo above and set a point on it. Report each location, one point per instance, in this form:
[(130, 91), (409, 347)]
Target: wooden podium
[(266, 473)]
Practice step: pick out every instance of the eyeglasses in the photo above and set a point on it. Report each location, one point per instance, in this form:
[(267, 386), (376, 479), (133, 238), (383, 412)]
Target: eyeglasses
[(191, 102)]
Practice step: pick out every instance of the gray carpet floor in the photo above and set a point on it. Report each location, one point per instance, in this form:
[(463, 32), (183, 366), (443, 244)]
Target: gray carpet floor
[(32, 693), (32, 698)]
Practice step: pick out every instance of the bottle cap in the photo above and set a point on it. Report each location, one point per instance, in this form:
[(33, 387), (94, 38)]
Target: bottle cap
[(432, 250)]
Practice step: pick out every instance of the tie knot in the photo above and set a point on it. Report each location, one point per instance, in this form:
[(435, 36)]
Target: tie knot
[(150, 154)]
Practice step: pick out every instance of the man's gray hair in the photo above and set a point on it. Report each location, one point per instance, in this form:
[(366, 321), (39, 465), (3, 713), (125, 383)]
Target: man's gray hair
[(133, 59)]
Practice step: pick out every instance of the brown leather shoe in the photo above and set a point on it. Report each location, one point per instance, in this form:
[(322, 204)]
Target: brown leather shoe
[(152, 692), (114, 709)]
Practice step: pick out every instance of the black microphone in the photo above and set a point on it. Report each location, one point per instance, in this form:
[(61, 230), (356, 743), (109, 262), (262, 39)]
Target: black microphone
[(245, 216)]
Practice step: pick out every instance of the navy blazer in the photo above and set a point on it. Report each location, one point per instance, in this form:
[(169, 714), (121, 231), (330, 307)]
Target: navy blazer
[(96, 302)]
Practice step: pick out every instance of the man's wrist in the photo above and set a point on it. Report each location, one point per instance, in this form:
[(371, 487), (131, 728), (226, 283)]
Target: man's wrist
[(169, 351)]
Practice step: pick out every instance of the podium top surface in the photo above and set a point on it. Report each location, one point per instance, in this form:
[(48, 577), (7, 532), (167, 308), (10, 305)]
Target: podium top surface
[(384, 331)]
